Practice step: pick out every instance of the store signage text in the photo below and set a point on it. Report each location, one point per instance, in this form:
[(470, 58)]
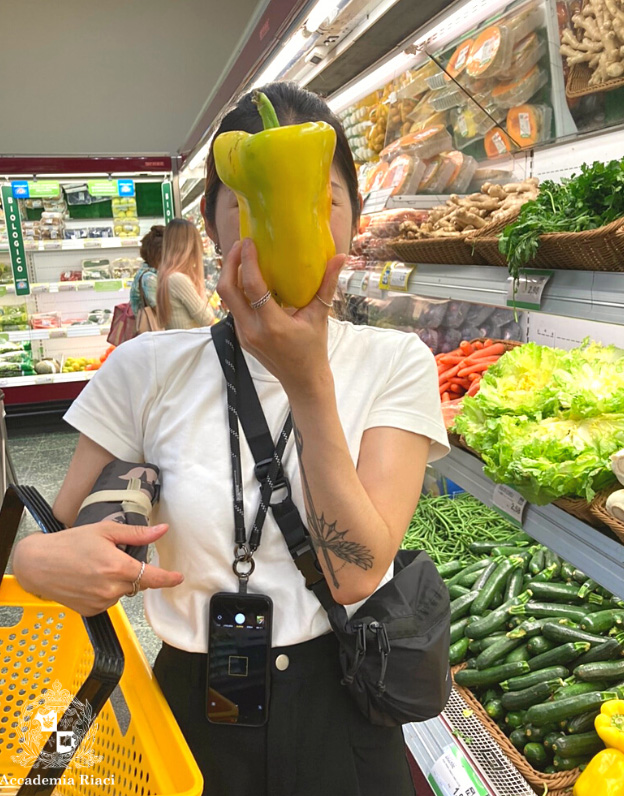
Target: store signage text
[(36, 189), (111, 187), (16, 241), (167, 200)]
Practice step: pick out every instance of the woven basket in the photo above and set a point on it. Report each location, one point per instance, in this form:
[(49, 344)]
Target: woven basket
[(439, 251), (559, 784), (600, 513), (579, 508), (485, 240), (577, 84)]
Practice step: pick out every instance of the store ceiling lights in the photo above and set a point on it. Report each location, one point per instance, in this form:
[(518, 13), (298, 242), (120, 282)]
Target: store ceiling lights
[(323, 11), (293, 48)]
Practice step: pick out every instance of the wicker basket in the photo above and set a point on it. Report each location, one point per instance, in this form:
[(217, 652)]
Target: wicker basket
[(439, 251), (559, 784), (600, 513), (485, 240), (579, 508), (577, 84)]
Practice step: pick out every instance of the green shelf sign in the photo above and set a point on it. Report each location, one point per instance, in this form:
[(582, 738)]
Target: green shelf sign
[(108, 285), (102, 187), (167, 197), (16, 241)]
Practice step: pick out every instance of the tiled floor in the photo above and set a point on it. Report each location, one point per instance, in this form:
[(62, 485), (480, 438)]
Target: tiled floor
[(41, 459)]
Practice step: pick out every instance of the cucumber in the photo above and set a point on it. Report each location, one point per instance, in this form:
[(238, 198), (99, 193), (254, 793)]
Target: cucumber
[(497, 600), (566, 570), (568, 763), (536, 755), (494, 709), (579, 688), (450, 568), (483, 548), (519, 654), (461, 606), (584, 722), (458, 627), (480, 644), (514, 584), (550, 770), (485, 575), (608, 650), (546, 575), (458, 651), (587, 587), (476, 566), (550, 738), (469, 580), (539, 610), (585, 743), (515, 719), (540, 733), (548, 712), (520, 700), (456, 591), (536, 564), (533, 678), (561, 633), (518, 738), (529, 627), (509, 550), (471, 678), (601, 670), (486, 625), (496, 652), (602, 621), (555, 592), (579, 576), (559, 656), (538, 644), (551, 558), (491, 586)]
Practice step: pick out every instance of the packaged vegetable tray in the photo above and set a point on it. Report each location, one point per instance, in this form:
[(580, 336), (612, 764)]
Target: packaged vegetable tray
[(559, 784)]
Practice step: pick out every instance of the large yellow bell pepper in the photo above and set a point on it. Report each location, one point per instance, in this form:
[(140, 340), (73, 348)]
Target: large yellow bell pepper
[(610, 725), (604, 775), (281, 178)]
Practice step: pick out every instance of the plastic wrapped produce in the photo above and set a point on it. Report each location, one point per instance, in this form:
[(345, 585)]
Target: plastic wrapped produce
[(434, 313), (425, 144), (456, 313), (387, 223), (520, 90), (465, 167), (471, 333), (404, 174), (477, 314), (498, 318), (511, 331), (491, 52), (430, 338), (448, 340), (529, 125)]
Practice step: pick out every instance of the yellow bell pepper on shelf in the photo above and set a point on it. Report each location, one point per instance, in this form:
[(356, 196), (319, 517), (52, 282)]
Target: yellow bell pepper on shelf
[(610, 725), (604, 775), (281, 178)]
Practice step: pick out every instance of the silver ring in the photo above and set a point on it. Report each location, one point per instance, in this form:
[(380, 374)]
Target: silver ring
[(329, 306), (136, 582), (261, 302)]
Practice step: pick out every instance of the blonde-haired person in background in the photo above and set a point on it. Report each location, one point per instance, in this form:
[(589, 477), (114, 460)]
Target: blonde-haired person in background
[(181, 299)]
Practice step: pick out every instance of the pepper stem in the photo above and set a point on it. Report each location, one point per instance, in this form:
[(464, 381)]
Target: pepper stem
[(265, 109)]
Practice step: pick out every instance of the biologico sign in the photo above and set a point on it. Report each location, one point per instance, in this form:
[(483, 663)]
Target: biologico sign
[(16, 241)]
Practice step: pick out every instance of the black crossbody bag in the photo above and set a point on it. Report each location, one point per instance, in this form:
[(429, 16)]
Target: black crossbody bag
[(394, 649)]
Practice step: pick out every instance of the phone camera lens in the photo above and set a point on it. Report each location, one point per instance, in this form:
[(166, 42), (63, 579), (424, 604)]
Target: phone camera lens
[(240, 619)]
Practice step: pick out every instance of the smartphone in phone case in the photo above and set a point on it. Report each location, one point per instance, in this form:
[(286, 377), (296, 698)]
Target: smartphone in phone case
[(239, 650)]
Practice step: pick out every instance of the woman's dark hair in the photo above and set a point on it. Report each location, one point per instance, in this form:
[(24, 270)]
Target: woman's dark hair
[(151, 245), (293, 105)]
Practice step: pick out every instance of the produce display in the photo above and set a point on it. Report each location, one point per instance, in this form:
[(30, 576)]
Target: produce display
[(546, 421), (460, 371), (15, 359), (287, 218), (447, 528), (543, 646), (13, 318), (459, 216), (596, 39), (585, 201), (75, 364)]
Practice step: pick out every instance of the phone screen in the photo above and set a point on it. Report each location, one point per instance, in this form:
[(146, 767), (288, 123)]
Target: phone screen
[(239, 646)]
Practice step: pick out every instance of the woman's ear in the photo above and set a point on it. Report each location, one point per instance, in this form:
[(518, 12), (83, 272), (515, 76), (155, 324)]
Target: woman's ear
[(210, 230)]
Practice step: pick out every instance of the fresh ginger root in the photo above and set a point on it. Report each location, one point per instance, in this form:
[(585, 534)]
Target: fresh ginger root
[(597, 40)]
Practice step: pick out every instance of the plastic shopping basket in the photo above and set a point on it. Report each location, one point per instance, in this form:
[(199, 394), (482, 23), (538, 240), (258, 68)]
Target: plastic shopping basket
[(80, 709)]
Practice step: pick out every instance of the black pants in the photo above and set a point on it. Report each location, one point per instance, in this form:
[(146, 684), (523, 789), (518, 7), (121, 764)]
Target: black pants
[(316, 742)]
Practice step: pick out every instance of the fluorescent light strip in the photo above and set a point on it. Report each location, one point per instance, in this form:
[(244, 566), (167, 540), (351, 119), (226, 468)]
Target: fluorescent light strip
[(321, 11), (282, 59), (443, 30)]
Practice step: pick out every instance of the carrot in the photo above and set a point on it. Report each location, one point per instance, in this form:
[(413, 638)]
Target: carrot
[(473, 376), (487, 342), (444, 387), (465, 383), (478, 345), (447, 374), (494, 350), (445, 397), (474, 387), (451, 359), (466, 347), (458, 389), (477, 367)]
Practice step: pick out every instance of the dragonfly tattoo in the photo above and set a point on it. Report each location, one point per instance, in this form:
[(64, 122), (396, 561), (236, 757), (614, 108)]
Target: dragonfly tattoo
[(325, 536)]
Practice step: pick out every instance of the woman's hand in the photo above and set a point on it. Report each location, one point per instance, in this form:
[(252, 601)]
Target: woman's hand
[(84, 569), (293, 347)]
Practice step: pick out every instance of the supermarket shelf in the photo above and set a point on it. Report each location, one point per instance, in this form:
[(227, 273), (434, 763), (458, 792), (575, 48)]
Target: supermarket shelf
[(46, 378), (596, 296), (77, 244), (585, 547), (88, 330), (457, 725), (99, 285)]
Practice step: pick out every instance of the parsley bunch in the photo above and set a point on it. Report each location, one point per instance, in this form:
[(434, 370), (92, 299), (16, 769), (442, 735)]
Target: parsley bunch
[(589, 200)]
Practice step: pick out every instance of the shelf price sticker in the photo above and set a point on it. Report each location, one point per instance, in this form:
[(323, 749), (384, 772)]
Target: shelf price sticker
[(452, 775), (107, 285), (399, 276), (16, 241), (344, 279), (510, 503), (529, 290), (371, 286), (376, 201)]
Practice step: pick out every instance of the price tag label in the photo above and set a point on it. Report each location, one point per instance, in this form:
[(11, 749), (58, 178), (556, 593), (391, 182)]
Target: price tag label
[(52, 244), (53, 287), (107, 285), (452, 775), (510, 503), (376, 201), (89, 330), (370, 286), (399, 276), (129, 242), (344, 279), (528, 295), (48, 378)]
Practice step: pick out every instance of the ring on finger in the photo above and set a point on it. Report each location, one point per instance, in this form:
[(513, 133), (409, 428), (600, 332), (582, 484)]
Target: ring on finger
[(261, 301), (325, 303), (137, 582)]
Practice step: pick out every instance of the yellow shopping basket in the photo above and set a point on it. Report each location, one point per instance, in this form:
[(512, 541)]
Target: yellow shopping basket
[(80, 709)]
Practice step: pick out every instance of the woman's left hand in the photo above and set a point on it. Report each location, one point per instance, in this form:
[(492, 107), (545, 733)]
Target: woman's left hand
[(293, 347)]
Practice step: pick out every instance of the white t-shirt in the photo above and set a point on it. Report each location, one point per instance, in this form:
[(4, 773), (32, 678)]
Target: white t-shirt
[(161, 398)]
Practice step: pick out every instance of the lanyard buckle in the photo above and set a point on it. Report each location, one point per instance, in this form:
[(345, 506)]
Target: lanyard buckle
[(261, 470)]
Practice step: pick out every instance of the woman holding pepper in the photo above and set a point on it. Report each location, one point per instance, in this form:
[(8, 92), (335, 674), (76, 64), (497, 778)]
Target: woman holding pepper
[(367, 413)]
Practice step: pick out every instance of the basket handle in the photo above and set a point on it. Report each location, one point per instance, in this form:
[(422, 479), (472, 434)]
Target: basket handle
[(108, 663)]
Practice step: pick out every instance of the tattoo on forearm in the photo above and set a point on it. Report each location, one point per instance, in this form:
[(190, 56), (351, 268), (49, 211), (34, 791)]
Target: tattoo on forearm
[(325, 537)]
